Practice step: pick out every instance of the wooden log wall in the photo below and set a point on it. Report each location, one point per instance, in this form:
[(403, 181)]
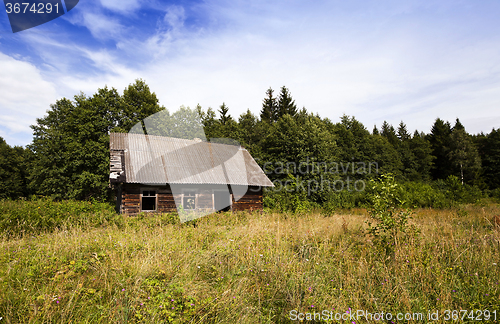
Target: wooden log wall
[(252, 200), (131, 200), (166, 203)]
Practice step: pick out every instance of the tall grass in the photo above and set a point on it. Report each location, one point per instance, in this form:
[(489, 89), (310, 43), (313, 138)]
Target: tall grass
[(32, 216), (248, 268)]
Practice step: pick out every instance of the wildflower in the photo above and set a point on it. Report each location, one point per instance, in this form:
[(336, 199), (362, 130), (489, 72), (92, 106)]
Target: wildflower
[(123, 289)]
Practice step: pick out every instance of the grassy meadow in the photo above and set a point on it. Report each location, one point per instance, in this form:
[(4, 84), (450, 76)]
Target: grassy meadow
[(78, 262)]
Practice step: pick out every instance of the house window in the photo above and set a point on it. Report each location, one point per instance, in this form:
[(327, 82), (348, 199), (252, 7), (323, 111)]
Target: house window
[(148, 200), (189, 199)]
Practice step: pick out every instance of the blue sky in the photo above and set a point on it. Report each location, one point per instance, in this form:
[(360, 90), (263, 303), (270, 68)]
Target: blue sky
[(375, 60)]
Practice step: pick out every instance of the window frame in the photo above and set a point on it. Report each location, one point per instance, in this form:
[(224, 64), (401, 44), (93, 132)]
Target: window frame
[(184, 191), (142, 196)]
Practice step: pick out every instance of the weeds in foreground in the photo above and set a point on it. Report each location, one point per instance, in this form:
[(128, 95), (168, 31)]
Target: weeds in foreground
[(388, 223), (248, 268)]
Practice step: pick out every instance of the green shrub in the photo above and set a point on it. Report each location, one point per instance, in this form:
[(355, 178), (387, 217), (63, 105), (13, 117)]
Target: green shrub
[(44, 214), (388, 220)]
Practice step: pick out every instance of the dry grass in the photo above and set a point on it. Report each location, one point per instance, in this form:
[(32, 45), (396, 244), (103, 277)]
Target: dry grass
[(249, 268)]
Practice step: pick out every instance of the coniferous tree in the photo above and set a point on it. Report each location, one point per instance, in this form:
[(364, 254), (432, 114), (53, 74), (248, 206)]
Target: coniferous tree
[(490, 156), (286, 105), (210, 122), (422, 151), (409, 162), (247, 123), (440, 140), (458, 125), (269, 112), (403, 134), (224, 116), (389, 132)]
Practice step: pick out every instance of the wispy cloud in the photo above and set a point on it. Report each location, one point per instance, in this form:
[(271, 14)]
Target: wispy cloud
[(121, 6), (412, 61), (24, 96)]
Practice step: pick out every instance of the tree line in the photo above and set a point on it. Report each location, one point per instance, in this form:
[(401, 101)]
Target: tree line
[(69, 154)]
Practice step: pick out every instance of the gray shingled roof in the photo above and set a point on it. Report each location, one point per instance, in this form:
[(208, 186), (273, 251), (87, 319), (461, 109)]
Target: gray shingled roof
[(148, 159)]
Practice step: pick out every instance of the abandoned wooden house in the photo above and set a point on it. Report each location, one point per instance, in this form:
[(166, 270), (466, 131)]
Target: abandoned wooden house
[(163, 174)]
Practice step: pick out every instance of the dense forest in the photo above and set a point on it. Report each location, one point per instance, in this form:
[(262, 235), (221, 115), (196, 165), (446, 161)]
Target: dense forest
[(313, 160)]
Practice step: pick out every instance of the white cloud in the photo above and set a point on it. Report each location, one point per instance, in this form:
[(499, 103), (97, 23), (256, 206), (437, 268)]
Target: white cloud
[(175, 16), (24, 96), (122, 6), (412, 62), (101, 26)]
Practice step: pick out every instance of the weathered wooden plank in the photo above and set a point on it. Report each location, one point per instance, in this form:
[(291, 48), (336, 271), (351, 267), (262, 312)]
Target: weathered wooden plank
[(161, 197), (249, 199), (166, 206)]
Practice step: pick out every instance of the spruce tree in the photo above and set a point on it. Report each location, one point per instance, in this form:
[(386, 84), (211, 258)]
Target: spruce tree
[(389, 132), (403, 134), (421, 149), (224, 116), (286, 105), (269, 107), (440, 139), (490, 155), (458, 125)]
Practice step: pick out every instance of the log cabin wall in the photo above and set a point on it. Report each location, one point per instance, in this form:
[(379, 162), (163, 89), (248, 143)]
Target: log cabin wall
[(131, 199), (252, 200)]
